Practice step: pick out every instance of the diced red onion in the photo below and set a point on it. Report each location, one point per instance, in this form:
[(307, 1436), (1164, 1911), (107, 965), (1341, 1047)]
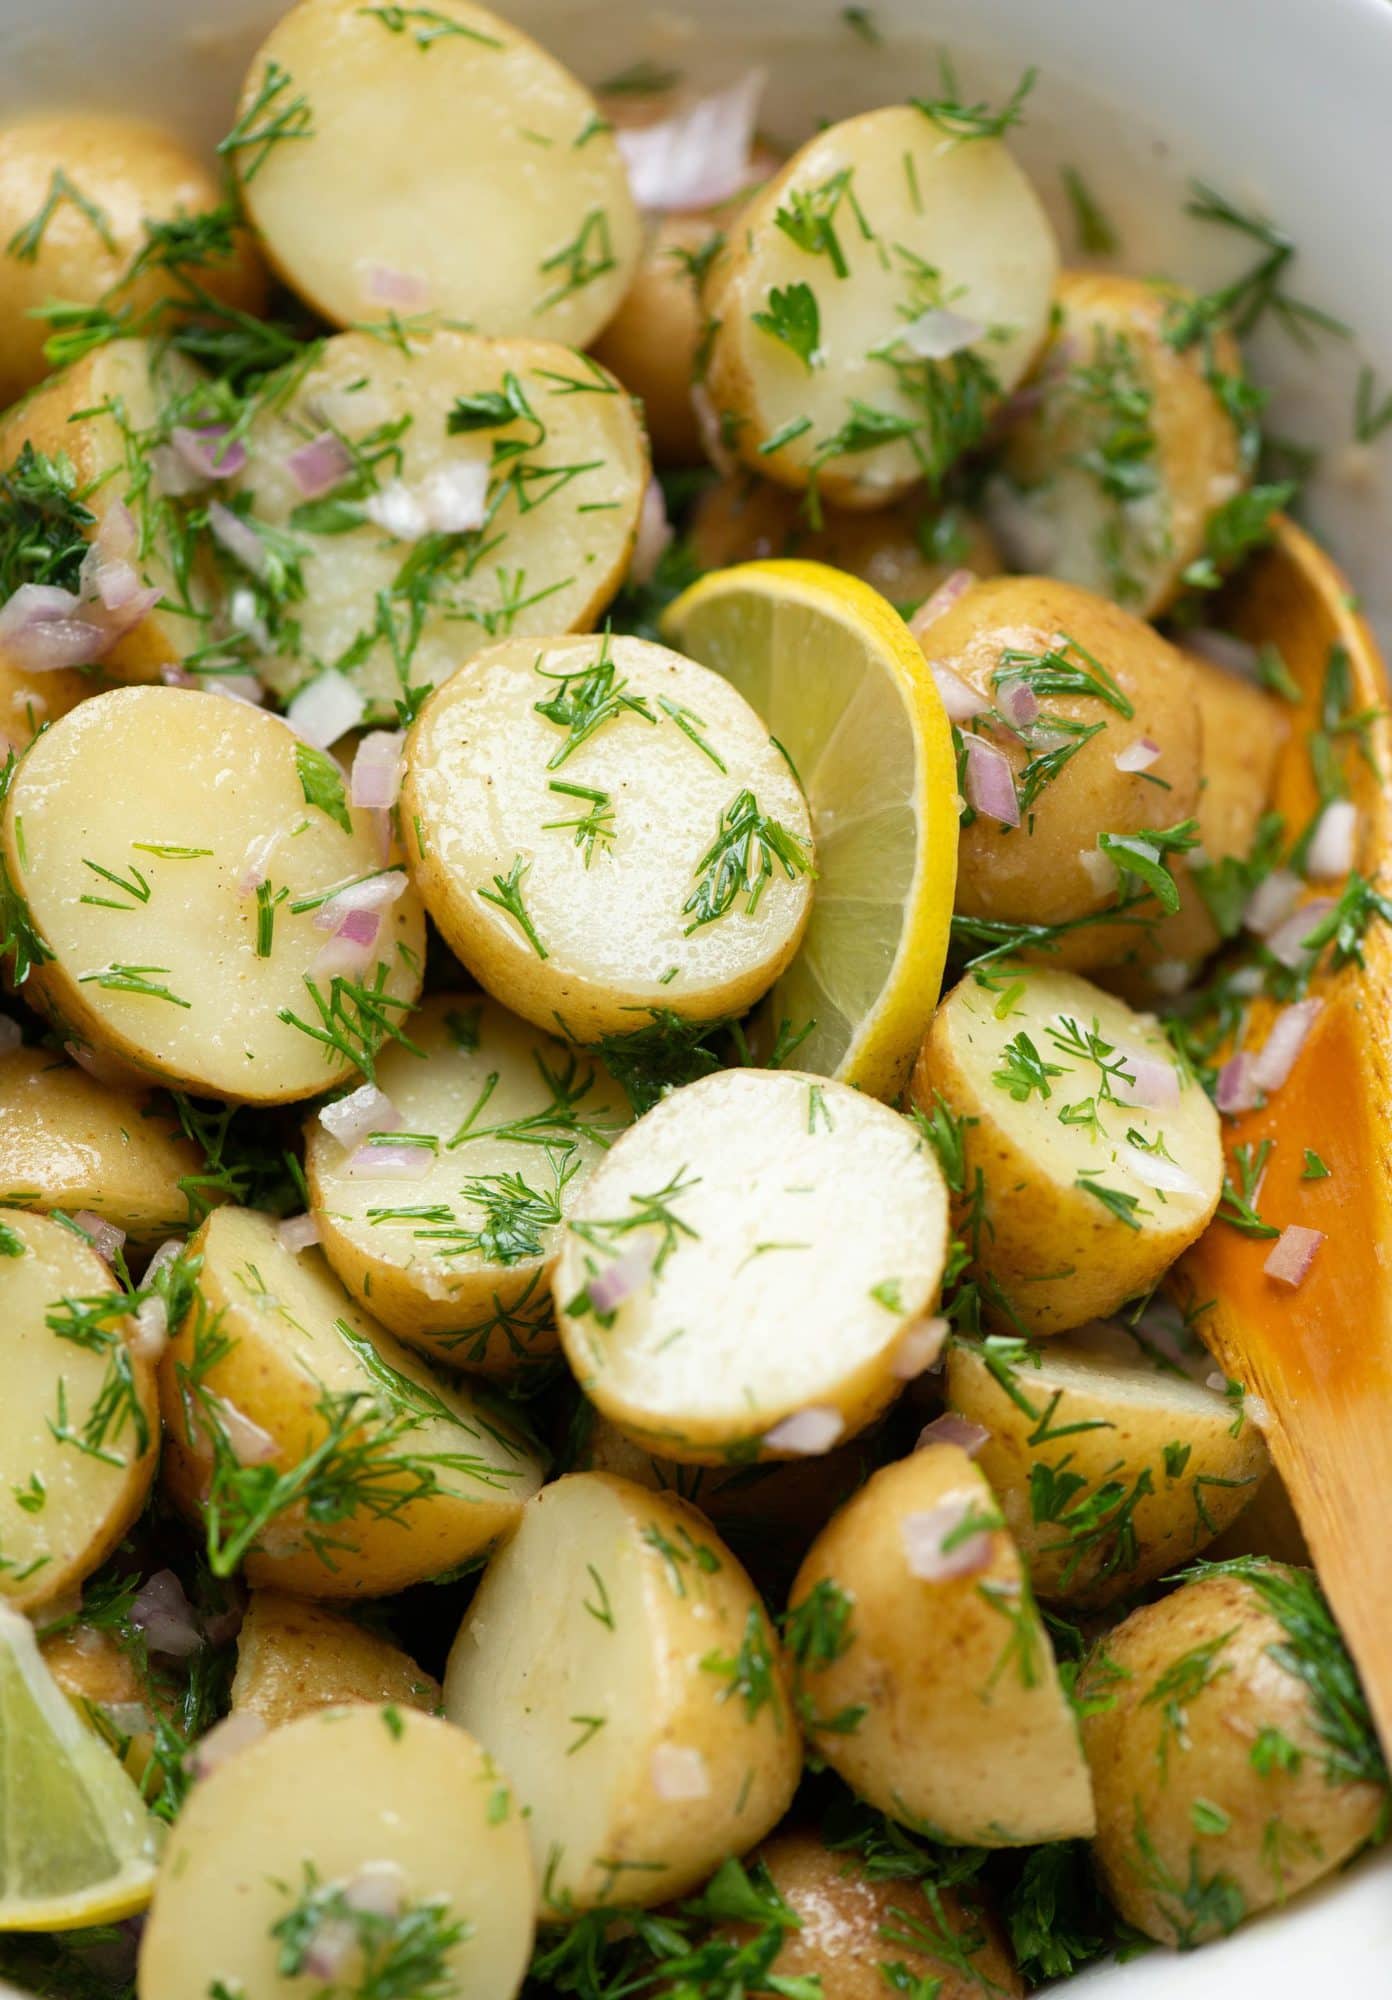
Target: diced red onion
[(1224, 650), (679, 1772), (1257, 1411), (620, 1280), (1271, 902), (376, 894), (1153, 1172), (919, 1347), (1282, 1047), (174, 476), (699, 156), (390, 1163), (961, 701), (939, 333), (367, 1109), (11, 1034), (127, 1718), (949, 1428), (41, 632), (1162, 1327), (106, 1239), (235, 1732), (1236, 1089), (318, 466), (168, 1253), (1171, 976), (163, 1613), (327, 708), (1019, 704), (114, 621), (1292, 1254), (296, 1233), (654, 535), (807, 1433), (953, 586), (116, 585), (207, 452), (398, 512), (351, 949), (255, 862), (388, 287), (151, 1335), (376, 781), (456, 497), (1098, 868), (329, 1947), (377, 1890), (1247, 982), (1147, 1081), (1334, 844), (924, 1533), (990, 781), (1137, 756), (1287, 943), (250, 1444), (240, 540), (243, 616), (175, 677)]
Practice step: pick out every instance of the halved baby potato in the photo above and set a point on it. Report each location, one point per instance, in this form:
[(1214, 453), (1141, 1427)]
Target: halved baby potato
[(450, 1244), (440, 493), (878, 298), (1111, 1470), (171, 915), (1090, 1161), (654, 339), (117, 1702), (30, 701), (433, 161), (1111, 476), (601, 828), (368, 1833), (390, 1475), (926, 1677), (618, 1660), (67, 1141), (754, 1199), (294, 1658), (80, 1411)]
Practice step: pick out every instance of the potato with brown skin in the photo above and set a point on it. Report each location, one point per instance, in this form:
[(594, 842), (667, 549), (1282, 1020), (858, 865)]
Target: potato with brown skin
[(1010, 638), (1113, 473), (1232, 1756), (98, 1675), (76, 188), (29, 701), (294, 1657), (653, 340), (853, 1922)]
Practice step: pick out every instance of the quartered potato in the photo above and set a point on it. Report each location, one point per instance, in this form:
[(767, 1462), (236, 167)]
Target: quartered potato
[(711, 1325), (440, 494), (602, 829), (505, 1124), (878, 298), (925, 1675), (1111, 476), (359, 1838), (392, 1476), (295, 1658), (1231, 1754), (433, 161), (80, 1411), (1090, 1159), (1111, 1469), (1067, 685), (170, 917), (617, 1658), (67, 1141)]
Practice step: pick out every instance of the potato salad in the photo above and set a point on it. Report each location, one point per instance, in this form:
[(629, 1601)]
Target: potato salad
[(661, 805)]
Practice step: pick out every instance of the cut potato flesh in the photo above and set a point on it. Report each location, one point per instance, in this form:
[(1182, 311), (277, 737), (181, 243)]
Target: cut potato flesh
[(617, 1660), (1110, 1469), (745, 1270), (294, 1658), (1098, 1160), (507, 1123), (395, 1476), (80, 1411), (434, 161), (431, 542), (155, 943), (875, 224), (350, 1832), (938, 1699), (67, 1141), (642, 844)]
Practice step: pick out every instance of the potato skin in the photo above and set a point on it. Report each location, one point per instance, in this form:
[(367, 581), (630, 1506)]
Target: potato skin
[(1188, 1686), (1036, 873), (653, 340), (294, 1657), (95, 1671)]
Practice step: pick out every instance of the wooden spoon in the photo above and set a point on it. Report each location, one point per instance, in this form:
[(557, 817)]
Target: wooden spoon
[(1320, 1355)]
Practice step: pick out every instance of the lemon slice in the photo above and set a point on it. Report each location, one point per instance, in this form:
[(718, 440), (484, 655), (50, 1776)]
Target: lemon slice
[(847, 696), (77, 1846)]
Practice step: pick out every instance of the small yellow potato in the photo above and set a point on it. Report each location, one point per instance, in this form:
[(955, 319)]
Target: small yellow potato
[(67, 1141), (1010, 640), (81, 1412), (852, 1920), (618, 1660), (401, 1476), (925, 1675), (858, 252), (294, 1658), (351, 1837), (162, 911), (601, 828), (754, 1198), (433, 161), (97, 1674), (1112, 475), (1090, 1160), (905, 550), (654, 339), (1232, 1756), (456, 1261), (544, 483), (28, 701), (1110, 1470), (76, 190)]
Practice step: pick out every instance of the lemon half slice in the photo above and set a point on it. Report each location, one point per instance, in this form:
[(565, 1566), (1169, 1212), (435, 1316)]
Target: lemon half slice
[(77, 1846), (848, 698)]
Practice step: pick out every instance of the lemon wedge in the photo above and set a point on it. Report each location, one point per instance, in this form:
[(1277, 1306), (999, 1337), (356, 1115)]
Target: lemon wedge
[(847, 696), (77, 1845)]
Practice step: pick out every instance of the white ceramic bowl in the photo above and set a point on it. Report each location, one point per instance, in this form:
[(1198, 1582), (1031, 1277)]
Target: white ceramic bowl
[(1282, 104)]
